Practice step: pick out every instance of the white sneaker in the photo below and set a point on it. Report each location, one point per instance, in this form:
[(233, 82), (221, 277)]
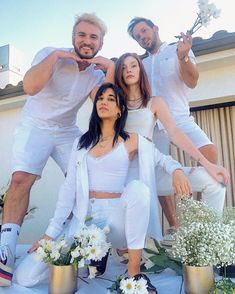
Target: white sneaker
[(169, 238), (6, 266)]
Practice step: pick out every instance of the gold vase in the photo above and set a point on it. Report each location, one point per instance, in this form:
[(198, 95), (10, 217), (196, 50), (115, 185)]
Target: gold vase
[(63, 279), (198, 279)]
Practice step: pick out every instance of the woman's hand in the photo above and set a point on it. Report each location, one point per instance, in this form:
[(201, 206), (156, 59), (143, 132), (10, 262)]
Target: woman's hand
[(219, 173), (36, 244), (181, 184)]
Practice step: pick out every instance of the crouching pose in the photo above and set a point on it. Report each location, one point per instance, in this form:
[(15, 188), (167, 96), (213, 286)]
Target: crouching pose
[(95, 186)]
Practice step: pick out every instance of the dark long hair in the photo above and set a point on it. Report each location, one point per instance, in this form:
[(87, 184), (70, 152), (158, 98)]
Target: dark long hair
[(143, 79), (92, 136)]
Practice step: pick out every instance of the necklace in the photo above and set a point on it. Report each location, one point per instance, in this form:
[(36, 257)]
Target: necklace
[(104, 141), (137, 99), (135, 106)]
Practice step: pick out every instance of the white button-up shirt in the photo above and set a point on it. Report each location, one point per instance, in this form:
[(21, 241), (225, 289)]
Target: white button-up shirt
[(165, 80)]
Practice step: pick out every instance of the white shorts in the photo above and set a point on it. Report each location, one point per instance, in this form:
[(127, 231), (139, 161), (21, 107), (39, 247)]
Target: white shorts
[(199, 138), (33, 146)]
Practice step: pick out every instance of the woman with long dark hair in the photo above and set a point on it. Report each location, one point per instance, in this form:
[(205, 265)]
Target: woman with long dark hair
[(96, 186)]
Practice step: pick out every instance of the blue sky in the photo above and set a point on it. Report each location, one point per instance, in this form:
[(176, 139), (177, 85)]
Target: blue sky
[(30, 25)]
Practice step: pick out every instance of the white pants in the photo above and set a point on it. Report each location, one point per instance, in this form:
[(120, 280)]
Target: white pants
[(122, 215), (212, 192)]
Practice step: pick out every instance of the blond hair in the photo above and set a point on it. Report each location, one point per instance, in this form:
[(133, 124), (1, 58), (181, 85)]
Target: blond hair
[(92, 19)]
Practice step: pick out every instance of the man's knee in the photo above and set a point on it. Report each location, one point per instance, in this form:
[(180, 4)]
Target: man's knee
[(22, 179)]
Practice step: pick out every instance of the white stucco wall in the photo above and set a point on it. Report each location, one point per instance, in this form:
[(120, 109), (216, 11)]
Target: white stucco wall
[(216, 77)]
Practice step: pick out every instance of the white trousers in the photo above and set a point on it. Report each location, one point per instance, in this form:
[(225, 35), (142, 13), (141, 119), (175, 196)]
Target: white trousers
[(212, 192), (122, 215)]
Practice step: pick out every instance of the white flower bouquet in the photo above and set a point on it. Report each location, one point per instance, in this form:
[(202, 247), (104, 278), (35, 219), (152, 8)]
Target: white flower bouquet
[(207, 11), (203, 238), (190, 211), (131, 286), (124, 285), (90, 244), (204, 244)]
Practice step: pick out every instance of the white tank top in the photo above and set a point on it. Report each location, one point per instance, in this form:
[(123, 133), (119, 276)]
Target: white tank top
[(108, 173), (141, 121)]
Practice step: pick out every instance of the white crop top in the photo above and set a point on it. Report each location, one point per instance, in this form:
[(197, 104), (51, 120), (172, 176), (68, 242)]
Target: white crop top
[(141, 121), (108, 173)]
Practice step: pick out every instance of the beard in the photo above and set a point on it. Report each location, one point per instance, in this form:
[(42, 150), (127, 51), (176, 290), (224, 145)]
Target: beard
[(152, 47), (85, 56)]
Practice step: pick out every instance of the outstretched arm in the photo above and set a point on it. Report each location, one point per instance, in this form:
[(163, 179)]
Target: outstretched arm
[(38, 75), (180, 183), (179, 138)]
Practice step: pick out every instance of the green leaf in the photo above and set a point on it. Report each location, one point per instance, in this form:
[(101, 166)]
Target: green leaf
[(150, 251), (154, 269), (160, 260), (176, 267)]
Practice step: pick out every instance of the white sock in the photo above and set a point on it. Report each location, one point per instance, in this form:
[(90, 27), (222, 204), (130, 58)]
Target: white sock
[(9, 237)]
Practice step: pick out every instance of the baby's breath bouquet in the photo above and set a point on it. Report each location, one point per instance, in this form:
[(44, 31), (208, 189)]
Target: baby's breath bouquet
[(207, 11), (203, 237), (204, 244), (190, 211), (90, 244), (206, 239)]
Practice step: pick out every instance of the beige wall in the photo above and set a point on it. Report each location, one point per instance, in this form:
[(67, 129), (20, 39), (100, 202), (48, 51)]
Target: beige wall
[(217, 77)]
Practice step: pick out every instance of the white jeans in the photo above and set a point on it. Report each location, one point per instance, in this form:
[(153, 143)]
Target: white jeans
[(212, 192), (122, 215)]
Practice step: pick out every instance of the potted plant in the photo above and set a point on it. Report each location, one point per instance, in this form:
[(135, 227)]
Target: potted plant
[(203, 240), (65, 257)]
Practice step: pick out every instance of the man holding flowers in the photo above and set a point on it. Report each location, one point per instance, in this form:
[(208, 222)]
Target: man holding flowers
[(172, 70)]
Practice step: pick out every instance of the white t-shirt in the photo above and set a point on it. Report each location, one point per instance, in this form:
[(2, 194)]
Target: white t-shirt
[(164, 76), (58, 102)]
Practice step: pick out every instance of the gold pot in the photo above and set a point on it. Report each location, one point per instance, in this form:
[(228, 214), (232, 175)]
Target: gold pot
[(63, 279), (198, 279)]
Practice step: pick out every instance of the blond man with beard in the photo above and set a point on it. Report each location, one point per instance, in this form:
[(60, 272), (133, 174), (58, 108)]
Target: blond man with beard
[(58, 83)]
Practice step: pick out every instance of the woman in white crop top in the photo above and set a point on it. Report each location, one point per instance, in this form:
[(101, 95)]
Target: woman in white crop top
[(143, 112), (107, 148)]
